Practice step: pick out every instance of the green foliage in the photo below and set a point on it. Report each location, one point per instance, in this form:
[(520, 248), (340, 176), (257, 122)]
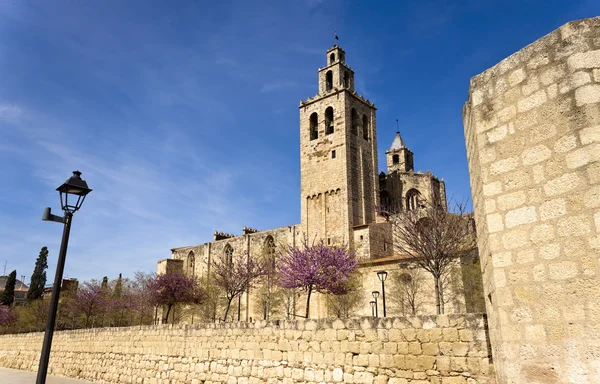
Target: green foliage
[(38, 278), (343, 306), (118, 290), (8, 296)]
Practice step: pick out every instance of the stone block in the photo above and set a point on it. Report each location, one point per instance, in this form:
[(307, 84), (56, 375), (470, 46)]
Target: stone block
[(587, 94), (563, 270), (562, 184), (521, 216), (533, 101), (590, 135), (503, 166), (573, 226), (454, 380), (492, 189), (580, 60), (516, 77), (549, 251), (536, 154)]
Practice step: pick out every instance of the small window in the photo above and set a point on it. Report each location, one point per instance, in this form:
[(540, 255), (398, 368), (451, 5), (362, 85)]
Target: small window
[(346, 77), (329, 121), (361, 237), (354, 124), (328, 81), (333, 154), (314, 126), (365, 127), (385, 246), (328, 241), (331, 58), (396, 159)]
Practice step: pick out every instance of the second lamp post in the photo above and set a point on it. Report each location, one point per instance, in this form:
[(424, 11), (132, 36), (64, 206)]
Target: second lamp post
[(375, 296), (382, 276)]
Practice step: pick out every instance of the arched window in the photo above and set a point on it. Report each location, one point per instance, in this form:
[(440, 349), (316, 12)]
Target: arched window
[(191, 264), (412, 200), (405, 278), (314, 126), (354, 122), (346, 79), (331, 58), (329, 120), (229, 254), (269, 252), (396, 159), (328, 81), (365, 125)]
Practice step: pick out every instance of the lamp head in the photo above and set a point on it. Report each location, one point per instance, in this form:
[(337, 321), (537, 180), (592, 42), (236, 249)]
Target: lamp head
[(375, 294), (73, 188), (382, 275), (372, 304)]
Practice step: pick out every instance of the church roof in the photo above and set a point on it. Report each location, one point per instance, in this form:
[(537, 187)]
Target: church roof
[(398, 142)]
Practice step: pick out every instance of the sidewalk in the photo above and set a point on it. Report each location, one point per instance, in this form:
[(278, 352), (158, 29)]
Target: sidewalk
[(15, 376)]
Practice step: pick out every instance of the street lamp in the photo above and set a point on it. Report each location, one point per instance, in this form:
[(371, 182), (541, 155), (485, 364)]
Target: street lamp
[(382, 276), (72, 195), (375, 296), (372, 308)]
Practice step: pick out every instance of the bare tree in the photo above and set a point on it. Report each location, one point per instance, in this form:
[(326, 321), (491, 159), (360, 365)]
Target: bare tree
[(435, 238), (407, 289), (343, 306), (235, 278)]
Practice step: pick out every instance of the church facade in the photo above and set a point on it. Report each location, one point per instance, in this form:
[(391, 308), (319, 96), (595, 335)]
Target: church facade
[(344, 199)]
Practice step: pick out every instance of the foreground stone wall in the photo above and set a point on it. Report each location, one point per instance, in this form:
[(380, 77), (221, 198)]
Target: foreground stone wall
[(446, 349), (532, 126)]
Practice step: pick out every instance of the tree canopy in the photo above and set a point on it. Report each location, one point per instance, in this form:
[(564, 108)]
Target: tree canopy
[(316, 268)]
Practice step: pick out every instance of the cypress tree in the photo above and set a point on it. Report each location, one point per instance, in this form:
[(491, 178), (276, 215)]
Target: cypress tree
[(104, 285), (118, 286), (8, 296), (38, 278)]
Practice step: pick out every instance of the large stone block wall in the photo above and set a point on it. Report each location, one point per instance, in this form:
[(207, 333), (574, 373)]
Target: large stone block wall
[(532, 126), (446, 349)]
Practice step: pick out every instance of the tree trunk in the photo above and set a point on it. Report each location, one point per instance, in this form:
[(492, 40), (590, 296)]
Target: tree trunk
[(227, 309), (308, 301), (441, 290), (168, 311), (438, 299)]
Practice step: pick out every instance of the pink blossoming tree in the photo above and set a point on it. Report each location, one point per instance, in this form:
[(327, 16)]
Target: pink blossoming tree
[(175, 288), (316, 268)]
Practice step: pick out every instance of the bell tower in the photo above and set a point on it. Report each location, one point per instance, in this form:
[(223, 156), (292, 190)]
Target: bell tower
[(338, 156)]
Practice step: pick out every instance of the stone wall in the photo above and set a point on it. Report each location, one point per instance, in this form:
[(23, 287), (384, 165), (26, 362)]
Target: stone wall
[(447, 349), (532, 126)]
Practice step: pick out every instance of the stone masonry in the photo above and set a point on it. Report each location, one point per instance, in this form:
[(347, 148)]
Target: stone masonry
[(446, 349), (532, 127)]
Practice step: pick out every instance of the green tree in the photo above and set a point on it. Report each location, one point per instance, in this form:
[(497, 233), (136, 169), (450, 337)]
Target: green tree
[(8, 296), (38, 278), (118, 290)]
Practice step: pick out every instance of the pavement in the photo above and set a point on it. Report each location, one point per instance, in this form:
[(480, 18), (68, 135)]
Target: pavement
[(15, 376)]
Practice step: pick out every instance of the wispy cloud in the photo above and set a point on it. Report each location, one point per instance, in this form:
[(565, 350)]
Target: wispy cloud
[(10, 113)]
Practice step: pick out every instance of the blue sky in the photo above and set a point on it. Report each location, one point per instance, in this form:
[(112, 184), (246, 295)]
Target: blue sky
[(183, 115)]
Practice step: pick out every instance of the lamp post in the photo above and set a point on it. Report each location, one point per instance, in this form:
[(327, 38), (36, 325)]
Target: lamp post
[(73, 188), (372, 308), (382, 276), (375, 296)]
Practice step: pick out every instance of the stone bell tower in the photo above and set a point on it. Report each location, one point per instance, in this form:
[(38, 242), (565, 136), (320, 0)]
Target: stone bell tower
[(338, 156)]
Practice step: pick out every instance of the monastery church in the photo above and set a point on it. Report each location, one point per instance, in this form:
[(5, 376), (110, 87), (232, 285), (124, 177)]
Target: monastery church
[(341, 194)]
